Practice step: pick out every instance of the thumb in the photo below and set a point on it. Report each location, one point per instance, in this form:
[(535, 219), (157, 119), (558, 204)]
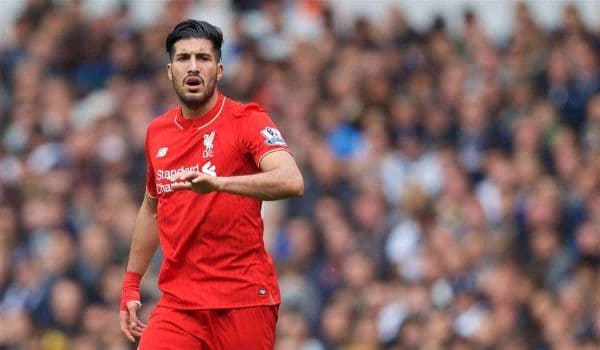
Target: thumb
[(133, 307)]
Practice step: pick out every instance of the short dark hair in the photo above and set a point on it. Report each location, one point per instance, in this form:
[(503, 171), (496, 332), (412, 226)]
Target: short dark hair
[(195, 29)]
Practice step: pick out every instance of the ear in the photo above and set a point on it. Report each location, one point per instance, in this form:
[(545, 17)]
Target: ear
[(219, 71), (170, 72)]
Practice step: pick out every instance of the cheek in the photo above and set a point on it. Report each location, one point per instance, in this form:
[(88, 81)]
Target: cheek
[(177, 72), (211, 70)]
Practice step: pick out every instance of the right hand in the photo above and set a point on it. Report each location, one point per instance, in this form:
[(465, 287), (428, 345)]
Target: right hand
[(131, 326)]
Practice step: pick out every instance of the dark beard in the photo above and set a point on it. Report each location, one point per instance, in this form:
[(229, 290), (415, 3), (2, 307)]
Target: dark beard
[(195, 102)]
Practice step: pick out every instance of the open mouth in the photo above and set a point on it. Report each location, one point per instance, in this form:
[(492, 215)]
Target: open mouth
[(193, 82)]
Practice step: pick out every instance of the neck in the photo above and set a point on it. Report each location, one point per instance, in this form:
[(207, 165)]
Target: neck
[(190, 112)]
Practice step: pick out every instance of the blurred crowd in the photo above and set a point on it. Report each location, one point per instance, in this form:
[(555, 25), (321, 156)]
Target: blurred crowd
[(452, 182)]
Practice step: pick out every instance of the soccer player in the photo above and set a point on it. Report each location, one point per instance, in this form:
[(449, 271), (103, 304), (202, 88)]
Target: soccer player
[(211, 163)]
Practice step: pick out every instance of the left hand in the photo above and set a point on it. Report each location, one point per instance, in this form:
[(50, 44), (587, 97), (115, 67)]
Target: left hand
[(195, 181)]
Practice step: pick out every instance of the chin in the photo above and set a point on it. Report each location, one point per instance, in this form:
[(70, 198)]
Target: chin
[(195, 101)]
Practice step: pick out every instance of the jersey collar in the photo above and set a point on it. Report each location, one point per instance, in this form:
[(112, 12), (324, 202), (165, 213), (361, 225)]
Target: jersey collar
[(201, 121)]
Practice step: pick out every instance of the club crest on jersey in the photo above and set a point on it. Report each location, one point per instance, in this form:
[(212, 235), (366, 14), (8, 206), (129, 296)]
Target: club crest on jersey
[(272, 136), (208, 145)]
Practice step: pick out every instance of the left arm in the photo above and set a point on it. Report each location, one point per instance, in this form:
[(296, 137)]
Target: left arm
[(279, 178)]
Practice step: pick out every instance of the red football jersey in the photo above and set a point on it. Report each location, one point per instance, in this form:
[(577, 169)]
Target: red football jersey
[(214, 254)]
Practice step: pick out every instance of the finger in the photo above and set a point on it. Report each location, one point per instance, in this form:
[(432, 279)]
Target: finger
[(123, 319), (139, 324), (129, 335), (133, 319), (136, 333), (124, 323), (126, 331), (185, 176), (190, 175), (178, 186), (176, 177), (137, 329), (199, 178)]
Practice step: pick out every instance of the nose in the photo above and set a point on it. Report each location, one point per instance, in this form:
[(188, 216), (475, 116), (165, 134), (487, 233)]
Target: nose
[(193, 65)]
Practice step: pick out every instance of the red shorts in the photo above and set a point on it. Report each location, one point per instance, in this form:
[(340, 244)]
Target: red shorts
[(251, 328)]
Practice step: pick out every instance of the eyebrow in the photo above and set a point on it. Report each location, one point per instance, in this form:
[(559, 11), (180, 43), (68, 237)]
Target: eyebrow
[(201, 53)]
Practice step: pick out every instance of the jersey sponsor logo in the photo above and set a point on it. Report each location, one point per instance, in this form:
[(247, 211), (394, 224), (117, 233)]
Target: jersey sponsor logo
[(163, 188), (162, 152), (272, 136), (208, 145), (209, 169), (166, 174)]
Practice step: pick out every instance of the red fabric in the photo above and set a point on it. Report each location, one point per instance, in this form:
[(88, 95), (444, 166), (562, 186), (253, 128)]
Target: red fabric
[(214, 255), (251, 328), (131, 288)]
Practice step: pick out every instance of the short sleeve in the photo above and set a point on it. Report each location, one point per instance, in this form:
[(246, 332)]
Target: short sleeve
[(258, 133), (150, 179)]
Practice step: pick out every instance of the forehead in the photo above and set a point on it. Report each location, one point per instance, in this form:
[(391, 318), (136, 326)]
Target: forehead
[(193, 45)]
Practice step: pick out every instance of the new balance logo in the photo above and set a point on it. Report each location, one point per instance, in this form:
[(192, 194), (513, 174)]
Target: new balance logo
[(209, 169), (162, 152)]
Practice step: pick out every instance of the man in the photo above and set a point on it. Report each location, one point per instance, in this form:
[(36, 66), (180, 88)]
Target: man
[(211, 162)]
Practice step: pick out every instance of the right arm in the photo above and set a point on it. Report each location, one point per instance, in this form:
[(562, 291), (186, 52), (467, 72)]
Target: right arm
[(145, 236), (143, 246)]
